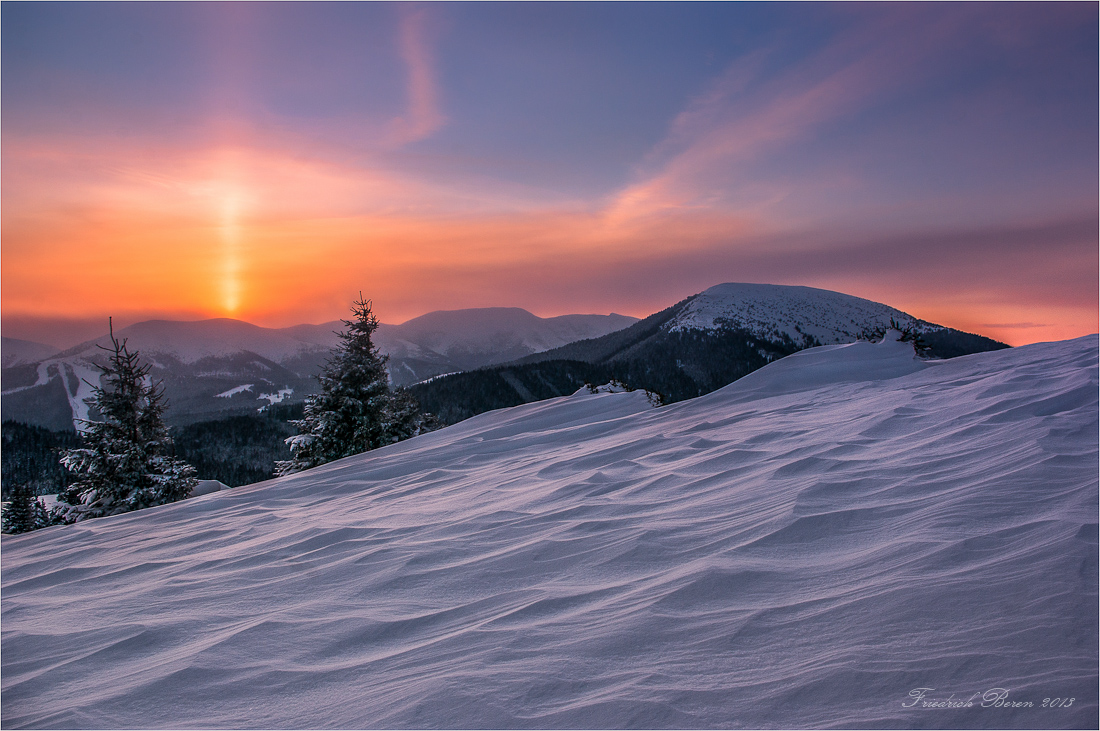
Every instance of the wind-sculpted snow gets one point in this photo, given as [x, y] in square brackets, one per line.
[846, 538]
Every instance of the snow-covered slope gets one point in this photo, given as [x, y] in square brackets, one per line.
[769, 310]
[807, 547]
[196, 362]
[14, 351]
[711, 339]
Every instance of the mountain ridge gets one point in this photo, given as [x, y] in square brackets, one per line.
[21, 352]
[222, 366]
[691, 348]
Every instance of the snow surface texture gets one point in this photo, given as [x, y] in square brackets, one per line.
[803, 548]
[768, 310]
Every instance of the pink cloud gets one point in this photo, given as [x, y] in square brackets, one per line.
[423, 117]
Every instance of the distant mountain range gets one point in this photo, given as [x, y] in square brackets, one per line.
[15, 352]
[691, 348]
[219, 373]
[461, 340]
[214, 368]
[463, 362]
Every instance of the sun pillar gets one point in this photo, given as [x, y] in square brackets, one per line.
[229, 230]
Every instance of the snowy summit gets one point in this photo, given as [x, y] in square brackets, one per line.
[770, 310]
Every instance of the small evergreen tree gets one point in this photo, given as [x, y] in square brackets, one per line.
[907, 334]
[25, 512]
[356, 410]
[126, 461]
[911, 335]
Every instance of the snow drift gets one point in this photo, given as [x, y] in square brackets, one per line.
[810, 546]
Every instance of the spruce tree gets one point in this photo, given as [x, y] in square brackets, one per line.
[25, 512]
[911, 335]
[126, 461]
[356, 410]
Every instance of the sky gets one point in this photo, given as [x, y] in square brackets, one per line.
[269, 162]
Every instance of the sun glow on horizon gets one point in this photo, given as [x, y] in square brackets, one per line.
[291, 156]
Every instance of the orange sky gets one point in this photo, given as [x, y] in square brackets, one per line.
[276, 238]
[799, 176]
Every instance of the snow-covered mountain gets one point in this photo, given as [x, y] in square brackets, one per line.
[693, 347]
[191, 342]
[786, 317]
[774, 311]
[459, 340]
[848, 537]
[213, 367]
[14, 351]
[454, 340]
[200, 364]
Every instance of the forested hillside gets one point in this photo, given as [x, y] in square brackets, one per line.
[238, 450]
[30, 456]
[459, 396]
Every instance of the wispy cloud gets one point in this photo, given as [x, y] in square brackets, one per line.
[714, 150]
[422, 117]
[1014, 325]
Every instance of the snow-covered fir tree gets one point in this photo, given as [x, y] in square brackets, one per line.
[125, 461]
[356, 410]
[24, 512]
